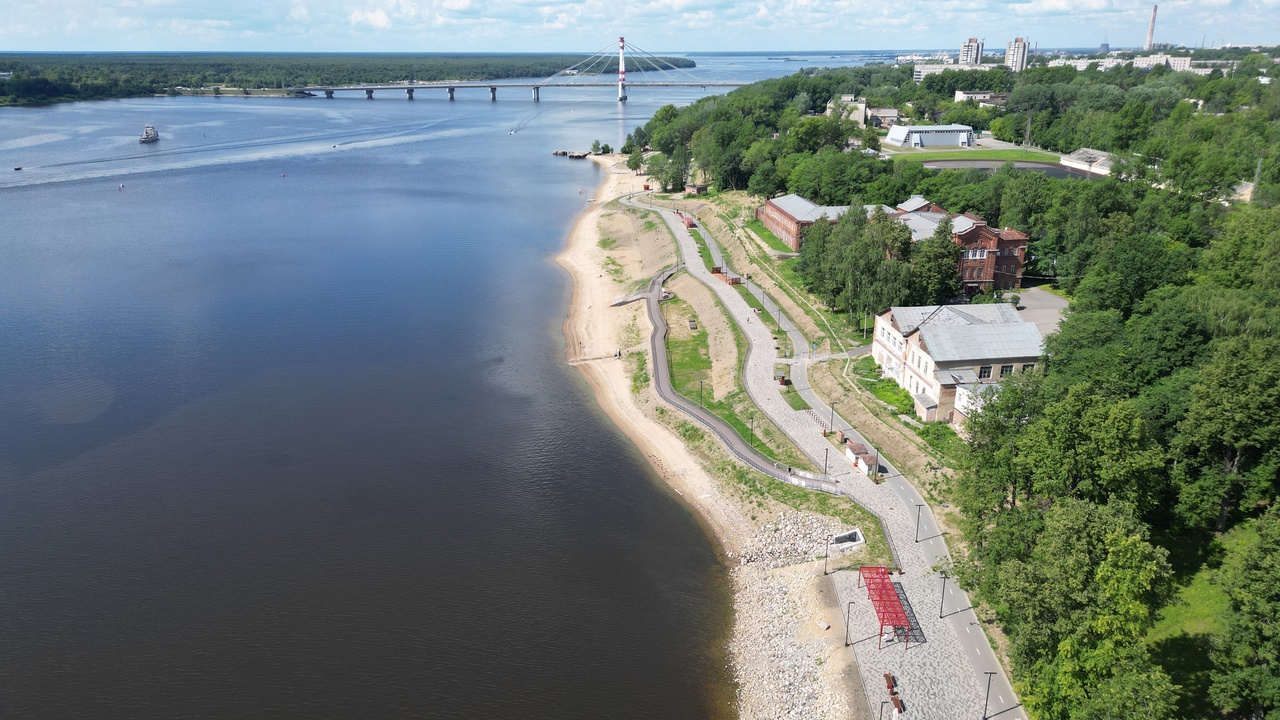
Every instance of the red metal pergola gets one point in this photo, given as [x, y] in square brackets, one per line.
[884, 598]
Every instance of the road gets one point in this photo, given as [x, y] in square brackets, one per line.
[949, 670]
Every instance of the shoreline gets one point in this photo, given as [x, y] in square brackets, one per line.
[785, 652]
[589, 345]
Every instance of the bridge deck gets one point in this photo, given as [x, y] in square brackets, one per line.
[497, 84]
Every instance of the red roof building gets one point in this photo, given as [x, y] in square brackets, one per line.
[992, 258]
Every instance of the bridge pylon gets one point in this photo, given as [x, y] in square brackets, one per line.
[622, 69]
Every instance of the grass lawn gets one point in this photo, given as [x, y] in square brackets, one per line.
[703, 250]
[982, 154]
[1181, 639]
[942, 438]
[868, 374]
[770, 239]
[762, 315]
[792, 396]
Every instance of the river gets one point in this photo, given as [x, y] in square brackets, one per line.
[286, 428]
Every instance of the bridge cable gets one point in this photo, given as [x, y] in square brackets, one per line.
[585, 72]
[655, 59]
[594, 58]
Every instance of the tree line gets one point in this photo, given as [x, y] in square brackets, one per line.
[1094, 485]
[57, 77]
[1190, 133]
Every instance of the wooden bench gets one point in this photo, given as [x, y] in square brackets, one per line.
[897, 704]
[888, 682]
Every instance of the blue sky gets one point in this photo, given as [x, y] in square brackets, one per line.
[587, 25]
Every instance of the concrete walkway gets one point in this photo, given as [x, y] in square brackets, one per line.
[946, 675]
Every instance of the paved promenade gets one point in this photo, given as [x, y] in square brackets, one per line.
[943, 677]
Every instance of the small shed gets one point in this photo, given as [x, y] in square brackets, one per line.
[861, 459]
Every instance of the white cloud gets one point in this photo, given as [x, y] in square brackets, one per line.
[376, 18]
[585, 25]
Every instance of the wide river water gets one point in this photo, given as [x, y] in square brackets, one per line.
[286, 429]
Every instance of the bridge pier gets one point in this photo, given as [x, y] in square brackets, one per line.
[409, 92]
[450, 93]
[328, 94]
[493, 94]
[368, 94]
[535, 93]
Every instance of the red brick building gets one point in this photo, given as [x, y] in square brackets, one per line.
[992, 258]
[788, 215]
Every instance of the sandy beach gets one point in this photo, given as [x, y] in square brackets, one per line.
[787, 641]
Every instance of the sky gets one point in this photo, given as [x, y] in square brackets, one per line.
[589, 25]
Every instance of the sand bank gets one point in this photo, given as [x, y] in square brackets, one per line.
[786, 663]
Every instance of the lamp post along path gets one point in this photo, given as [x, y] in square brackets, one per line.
[848, 620]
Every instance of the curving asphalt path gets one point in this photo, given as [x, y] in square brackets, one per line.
[726, 433]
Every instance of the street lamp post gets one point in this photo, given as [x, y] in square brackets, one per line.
[700, 392]
[826, 555]
[919, 509]
[848, 619]
[990, 674]
[882, 704]
[825, 468]
[833, 417]
[944, 595]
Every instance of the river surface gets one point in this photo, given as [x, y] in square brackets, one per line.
[286, 429]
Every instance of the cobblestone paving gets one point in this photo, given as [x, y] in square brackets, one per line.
[945, 677]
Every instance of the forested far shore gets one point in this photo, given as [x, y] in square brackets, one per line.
[62, 77]
[1118, 502]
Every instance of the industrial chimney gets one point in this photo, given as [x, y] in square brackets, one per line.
[1151, 31]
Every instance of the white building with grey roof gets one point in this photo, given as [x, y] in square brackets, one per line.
[933, 350]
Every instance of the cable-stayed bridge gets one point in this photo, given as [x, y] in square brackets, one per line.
[584, 74]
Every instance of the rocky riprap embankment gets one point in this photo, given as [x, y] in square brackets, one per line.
[778, 647]
[791, 537]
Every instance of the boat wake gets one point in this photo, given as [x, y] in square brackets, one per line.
[180, 158]
[523, 123]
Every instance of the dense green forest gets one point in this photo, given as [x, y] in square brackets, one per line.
[1097, 489]
[54, 77]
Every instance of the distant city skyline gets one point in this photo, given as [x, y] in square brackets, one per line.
[655, 25]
